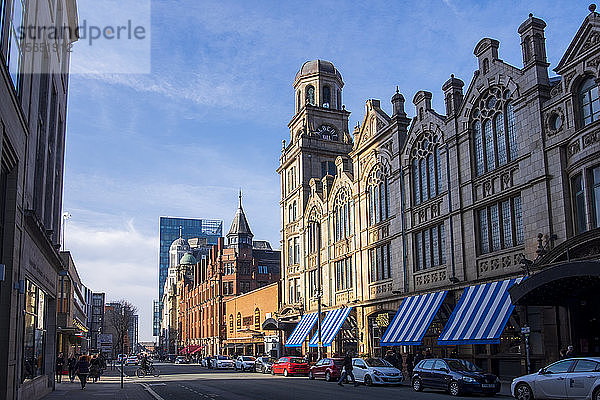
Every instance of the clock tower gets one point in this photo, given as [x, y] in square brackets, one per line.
[318, 135]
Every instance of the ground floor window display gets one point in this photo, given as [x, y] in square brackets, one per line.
[34, 341]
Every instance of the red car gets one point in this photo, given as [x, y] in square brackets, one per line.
[290, 366]
[328, 368]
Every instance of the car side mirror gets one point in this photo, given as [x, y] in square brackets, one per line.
[542, 371]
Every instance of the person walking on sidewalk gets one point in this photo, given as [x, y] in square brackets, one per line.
[71, 366]
[82, 368]
[347, 370]
[60, 363]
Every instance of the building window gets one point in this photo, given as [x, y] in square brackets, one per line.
[294, 251]
[427, 167]
[230, 323]
[326, 96]
[578, 203]
[310, 95]
[595, 185]
[16, 42]
[294, 290]
[343, 274]
[500, 226]
[313, 282]
[34, 340]
[430, 246]
[291, 179]
[328, 168]
[299, 101]
[380, 260]
[342, 215]
[294, 210]
[314, 233]
[238, 321]
[378, 196]
[257, 319]
[263, 269]
[339, 99]
[589, 102]
[494, 130]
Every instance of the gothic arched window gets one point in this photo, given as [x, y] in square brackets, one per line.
[589, 103]
[310, 95]
[342, 212]
[494, 130]
[326, 96]
[427, 167]
[339, 99]
[299, 100]
[378, 195]
[238, 321]
[313, 232]
[230, 323]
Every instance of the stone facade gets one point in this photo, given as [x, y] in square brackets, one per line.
[446, 199]
[33, 110]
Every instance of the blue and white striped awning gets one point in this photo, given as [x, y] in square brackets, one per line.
[301, 331]
[480, 315]
[330, 325]
[412, 319]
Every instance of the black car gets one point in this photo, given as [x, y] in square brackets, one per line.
[263, 364]
[454, 375]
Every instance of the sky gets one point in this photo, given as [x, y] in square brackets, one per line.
[206, 113]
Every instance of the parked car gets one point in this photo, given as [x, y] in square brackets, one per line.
[204, 361]
[290, 366]
[245, 363]
[328, 368]
[455, 376]
[376, 371]
[222, 362]
[573, 378]
[132, 360]
[263, 364]
[181, 360]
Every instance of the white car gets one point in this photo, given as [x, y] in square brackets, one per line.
[573, 378]
[224, 362]
[376, 371]
[245, 363]
[132, 360]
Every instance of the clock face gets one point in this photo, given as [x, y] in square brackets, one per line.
[327, 132]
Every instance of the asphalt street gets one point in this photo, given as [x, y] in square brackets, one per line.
[196, 382]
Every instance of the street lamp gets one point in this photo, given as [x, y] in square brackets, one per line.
[65, 216]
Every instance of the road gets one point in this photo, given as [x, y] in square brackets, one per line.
[193, 382]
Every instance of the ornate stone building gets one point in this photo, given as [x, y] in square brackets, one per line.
[424, 228]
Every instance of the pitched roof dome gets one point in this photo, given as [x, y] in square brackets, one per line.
[188, 259]
[318, 66]
[180, 244]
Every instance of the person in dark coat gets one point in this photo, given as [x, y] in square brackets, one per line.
[82, 368]
[410, 363]
[71, 365]
[390, 357]
[347, 370]
[60, 363]
[570, 352]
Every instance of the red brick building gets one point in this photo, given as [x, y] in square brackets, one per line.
[234, 266]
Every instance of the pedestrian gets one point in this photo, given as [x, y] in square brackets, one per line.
[347, 372]
[82, 368]
[399, 361]
[570, 352]
[428, 353]
[60, 363]
[410, 365]
[71, 364]
[95, 369]
[420, 356]
[390, 357]
[562, 354]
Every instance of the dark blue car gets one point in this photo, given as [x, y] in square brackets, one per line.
[455, 376]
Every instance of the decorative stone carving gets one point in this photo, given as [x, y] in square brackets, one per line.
[340, 248]
[556, 90]
[568, 78]
[591, 41]
[377, 290]
[506, 180]
[573, 148]
[430, 278]
[591, 138]
[593, 63]
[497, 264]
[342, 298]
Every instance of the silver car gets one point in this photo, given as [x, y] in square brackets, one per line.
[573, 378]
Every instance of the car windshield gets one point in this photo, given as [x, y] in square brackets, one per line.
[247, 358]
[463, 365]
[296, 361]
[377, 362]
[338, 362]
[224, 358]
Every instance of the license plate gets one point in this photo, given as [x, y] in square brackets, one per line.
[488, 385]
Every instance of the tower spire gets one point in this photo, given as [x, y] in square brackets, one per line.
[180, 230]
[240, 198]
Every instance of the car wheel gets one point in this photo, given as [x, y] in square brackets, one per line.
[596, 395]
[272, 372]
[523, 392]
[368, 380]
[417, 385]
[286, 373]
[453, 388]
[328, 376]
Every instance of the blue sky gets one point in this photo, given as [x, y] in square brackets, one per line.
[210, 118]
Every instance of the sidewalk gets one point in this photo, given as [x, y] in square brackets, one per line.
[108, 388]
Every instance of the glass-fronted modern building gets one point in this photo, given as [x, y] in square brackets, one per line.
[208, 229]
